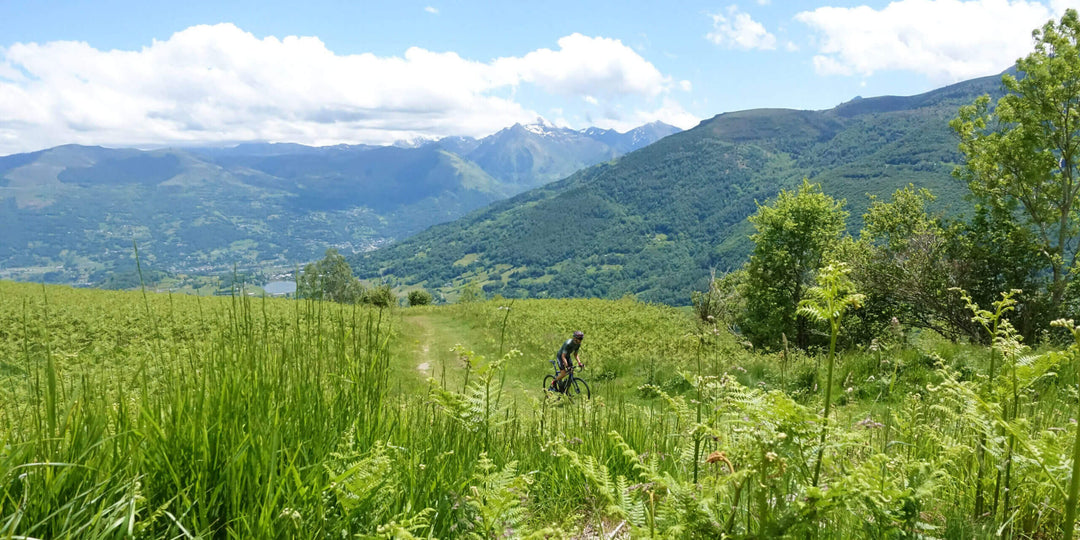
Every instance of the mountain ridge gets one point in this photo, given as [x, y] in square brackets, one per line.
[655, 222]
[74, 210]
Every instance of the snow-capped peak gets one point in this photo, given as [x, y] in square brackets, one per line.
[542, 127]
[414, 142]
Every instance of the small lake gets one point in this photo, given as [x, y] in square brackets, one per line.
[275, 288]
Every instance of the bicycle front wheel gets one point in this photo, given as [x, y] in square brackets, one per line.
[548, 380]
[581, 388]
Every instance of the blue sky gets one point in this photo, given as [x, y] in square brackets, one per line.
[149, 74]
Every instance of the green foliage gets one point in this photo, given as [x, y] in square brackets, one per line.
[1023, 156]
[793, 237]
[419, 297]
[496, 499]
[826, 302]
[905, 263]
[1068, 524]
[471, 293]
[992, 253]
[380, 296]
[130, 279]
[330, 279]
[723, 303]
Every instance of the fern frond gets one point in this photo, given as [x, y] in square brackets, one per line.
[405, 528]
[497, 497]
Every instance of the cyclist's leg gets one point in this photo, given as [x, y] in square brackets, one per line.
[562, 368]
[563, 371]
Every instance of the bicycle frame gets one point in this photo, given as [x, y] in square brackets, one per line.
[571, 382]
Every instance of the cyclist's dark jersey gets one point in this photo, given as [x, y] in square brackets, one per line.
[570, 348]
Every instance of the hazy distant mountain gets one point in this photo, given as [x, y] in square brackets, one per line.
[656, 221]
[535, 154]
[70, 213]
[638, 137]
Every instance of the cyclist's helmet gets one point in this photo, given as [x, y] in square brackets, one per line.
[579, 334]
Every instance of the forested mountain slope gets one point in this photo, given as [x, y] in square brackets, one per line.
[656, 221]
[71, 213]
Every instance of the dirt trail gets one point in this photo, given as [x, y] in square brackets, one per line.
[427, 340]
[424, 351]
[425, 334]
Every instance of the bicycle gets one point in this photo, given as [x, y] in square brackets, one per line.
[571, 386]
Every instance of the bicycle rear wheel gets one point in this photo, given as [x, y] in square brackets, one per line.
[580, 387]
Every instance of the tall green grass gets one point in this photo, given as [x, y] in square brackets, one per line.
[178, 417]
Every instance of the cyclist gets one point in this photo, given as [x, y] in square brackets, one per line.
[562, 358]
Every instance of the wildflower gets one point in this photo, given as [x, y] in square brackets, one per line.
[781, 435]
[290, 514]
[422, 466]
[868, 423]
[771, 456]
[576, 441]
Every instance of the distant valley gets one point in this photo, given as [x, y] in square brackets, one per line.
[70, 214]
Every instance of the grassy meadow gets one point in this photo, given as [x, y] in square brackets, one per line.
[170, 416]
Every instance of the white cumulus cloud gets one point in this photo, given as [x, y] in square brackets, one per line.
[221, 84]
[737, 30]
[946, 40]
[586, 66]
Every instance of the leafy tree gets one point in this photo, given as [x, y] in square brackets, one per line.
[382, 296]
[330, 279]
[993, 253]
[906, 262]
[793, 237]
[1023, 156]
[472, 292]
[419, 297]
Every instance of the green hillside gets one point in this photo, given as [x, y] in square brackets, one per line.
[656, 221]
[70, 213]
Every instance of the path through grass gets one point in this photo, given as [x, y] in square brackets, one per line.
[431, 343]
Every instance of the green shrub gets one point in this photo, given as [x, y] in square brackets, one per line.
[419, 297]
[382, 296]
